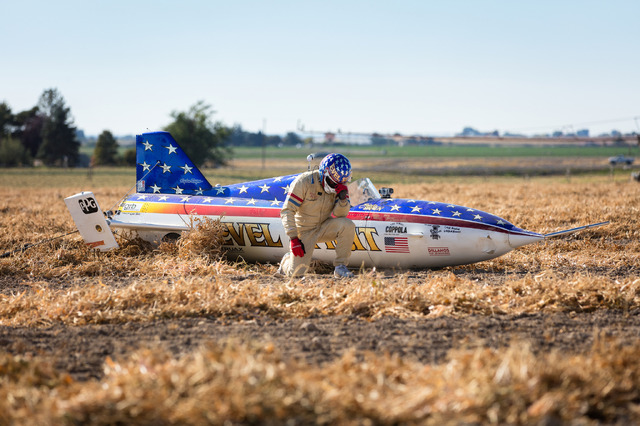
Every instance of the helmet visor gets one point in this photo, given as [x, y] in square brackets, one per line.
[330, 182]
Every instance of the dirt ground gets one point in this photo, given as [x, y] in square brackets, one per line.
[82, 350]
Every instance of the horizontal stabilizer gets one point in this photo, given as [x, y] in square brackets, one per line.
[572, 230]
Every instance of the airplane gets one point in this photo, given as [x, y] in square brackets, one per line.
[172, 194]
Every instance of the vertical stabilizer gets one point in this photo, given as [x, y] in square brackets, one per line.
[164, 168]
[90, 221]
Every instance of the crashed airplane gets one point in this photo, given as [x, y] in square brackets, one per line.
[172, 193]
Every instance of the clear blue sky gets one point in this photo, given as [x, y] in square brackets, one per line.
[408, 66]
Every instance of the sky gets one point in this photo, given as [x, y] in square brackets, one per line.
[408, 66]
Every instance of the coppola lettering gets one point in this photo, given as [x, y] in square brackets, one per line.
[395, 228]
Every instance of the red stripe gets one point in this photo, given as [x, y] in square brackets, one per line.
[300, 200]
[431, 220]
[229, 210]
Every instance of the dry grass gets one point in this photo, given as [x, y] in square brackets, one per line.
[240, 384]
[64, 282]
[61, 282]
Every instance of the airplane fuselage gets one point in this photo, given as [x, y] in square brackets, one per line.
[389, 232]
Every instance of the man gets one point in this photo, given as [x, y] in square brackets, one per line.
[315, 211]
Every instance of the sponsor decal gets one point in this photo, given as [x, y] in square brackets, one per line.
[130, 207]
[363, 235]
[435, 232]
[241, 234]
[88, 205]
[140, 186]
[395, 228]
[438, 251]
[369, 206]
[396, 244]
[233, 249]
[191, 180]
[95, 244]
[452, 230]
[258, 235]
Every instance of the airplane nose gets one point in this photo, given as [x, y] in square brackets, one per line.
[522, 238]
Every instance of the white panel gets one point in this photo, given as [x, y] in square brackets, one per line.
[90, 221]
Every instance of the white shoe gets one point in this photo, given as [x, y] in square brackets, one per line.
[341, 271]
[280, 272]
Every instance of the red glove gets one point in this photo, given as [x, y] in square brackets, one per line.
[297, 248]
[342, 191]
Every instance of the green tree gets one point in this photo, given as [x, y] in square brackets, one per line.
[129, 157]
[6, 120]
[204, 141]
[59, 144]
[106, 151]
[13, 153]
[291, 139]
[29, 129]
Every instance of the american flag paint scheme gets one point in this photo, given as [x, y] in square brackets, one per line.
[172, 193]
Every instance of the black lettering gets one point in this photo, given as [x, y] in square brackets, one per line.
[88, 205]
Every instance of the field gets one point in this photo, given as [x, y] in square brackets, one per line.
[546, 334]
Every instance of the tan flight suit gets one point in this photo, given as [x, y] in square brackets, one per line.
[307, 214]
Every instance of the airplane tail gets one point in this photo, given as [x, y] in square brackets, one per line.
[164, 168]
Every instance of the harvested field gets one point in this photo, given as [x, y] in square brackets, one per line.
[175, 335]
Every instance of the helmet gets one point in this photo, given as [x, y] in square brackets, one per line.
[337, 167]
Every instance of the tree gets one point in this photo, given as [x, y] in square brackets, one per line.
[291, 139]
[203, 140]
[13, 153]
[129, 157]
[59, 144]
[29, 129]
[6, 120]
[106, 151]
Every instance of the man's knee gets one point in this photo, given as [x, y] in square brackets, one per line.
[346, 224]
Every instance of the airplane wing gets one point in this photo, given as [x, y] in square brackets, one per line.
[572, 230]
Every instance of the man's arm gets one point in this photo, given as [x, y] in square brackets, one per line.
[342, 203]
[292, 203]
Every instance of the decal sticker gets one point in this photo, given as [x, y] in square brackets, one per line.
[88, 205]
[396, 244]
[130, 207]
[435, 232]
[358, 244]
[192, 180]
[452, 230]
[258, 235]
[395, 228]
[369, 206]
[233, 249]
[439, 251]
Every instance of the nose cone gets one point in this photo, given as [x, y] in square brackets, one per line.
[520, 237]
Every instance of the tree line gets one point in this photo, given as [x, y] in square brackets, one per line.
[47, 135]
[44, 133]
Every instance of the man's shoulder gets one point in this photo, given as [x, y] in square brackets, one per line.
[307, 178]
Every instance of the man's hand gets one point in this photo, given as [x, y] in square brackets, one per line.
[297, 248]
[342, 191]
